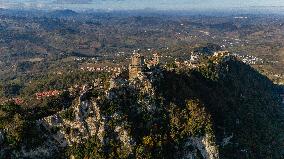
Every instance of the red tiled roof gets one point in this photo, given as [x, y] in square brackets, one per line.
[47, 94]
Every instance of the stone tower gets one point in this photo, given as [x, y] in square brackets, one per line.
[136, 65]
[156, 59]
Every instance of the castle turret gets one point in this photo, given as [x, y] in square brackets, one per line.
[136, 66]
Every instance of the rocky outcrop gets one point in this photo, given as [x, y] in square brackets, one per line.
[87, 122]
[126, 139]
[207, 148]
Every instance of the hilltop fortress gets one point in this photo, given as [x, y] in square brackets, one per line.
[138, 64]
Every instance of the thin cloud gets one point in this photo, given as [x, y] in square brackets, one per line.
[73, 1]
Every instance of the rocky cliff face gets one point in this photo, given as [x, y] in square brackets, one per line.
[87, 121]
[61, 131]
[207, 148]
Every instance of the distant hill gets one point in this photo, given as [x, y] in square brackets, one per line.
[207, 49]
[63, 13]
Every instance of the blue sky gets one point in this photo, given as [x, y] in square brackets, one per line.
[138, 4]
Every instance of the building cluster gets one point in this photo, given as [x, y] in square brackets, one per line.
[221, 53]
[81, 59]
[17, 100]
[192, 62]
[50, 93]
[138, 64]
[195, 58]
[249, 59]
[103, 69]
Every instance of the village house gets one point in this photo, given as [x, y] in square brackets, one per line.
[18, 101]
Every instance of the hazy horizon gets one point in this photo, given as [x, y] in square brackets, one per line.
[136, 4]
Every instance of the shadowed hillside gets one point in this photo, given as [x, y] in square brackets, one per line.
[240, 101]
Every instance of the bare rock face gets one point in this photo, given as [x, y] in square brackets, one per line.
[200, 146]
[87, 122]
[125, 139]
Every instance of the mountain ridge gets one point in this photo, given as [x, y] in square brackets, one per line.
[221, 109]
